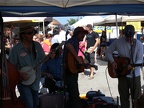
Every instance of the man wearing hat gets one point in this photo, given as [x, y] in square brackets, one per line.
[129, 82]
[25, 55]
[70, 56]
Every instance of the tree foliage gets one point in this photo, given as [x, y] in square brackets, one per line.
[72, 20]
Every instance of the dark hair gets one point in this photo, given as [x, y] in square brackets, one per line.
[79, 30]
[53, 48]
[89, 26]
[129, 31]
[56, 31]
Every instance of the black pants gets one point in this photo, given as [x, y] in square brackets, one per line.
[71, 81]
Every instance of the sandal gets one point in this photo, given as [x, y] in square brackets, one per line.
[91, 77]
[82, 73]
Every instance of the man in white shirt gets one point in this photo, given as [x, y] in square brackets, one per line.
[131, 48]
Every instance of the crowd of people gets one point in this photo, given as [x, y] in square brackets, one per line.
[47, 56]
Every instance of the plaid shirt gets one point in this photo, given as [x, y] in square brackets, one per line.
[54, 67]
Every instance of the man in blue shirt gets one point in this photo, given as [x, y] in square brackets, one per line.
[26, 55]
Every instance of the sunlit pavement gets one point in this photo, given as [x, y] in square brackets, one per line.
[102, 81]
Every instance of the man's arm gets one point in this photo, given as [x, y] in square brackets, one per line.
[95, 45]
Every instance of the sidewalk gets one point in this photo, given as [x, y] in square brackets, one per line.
[102, 81]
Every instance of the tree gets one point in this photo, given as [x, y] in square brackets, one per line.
[72, 20]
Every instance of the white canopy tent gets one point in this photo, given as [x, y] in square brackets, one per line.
[33, 19]
[118, 20]
[66, 3]
[88, 20]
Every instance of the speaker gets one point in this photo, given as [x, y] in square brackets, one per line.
[51, 100]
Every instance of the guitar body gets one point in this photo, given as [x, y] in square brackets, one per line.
[31, 73]
[73, 64]
[122, 63]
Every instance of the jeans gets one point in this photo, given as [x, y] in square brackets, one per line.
[28, 96]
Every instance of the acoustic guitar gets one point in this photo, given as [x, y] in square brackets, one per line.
[74, 67]
[122, 69]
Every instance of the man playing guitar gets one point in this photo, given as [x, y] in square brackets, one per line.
[128, 47]
[71, 75]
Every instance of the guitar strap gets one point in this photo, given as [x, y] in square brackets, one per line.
[132, 51]
[85, 55]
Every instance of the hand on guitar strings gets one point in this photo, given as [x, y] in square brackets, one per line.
[48, 75]
[80, 61]
[130, 67]
[23, 75]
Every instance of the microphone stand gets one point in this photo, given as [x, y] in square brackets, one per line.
[63, 70]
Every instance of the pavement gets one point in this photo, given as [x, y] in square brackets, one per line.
[102, 81]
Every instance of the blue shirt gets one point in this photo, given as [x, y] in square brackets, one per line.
[54, 67]
[21, 57]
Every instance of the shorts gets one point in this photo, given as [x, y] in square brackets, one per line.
[90, 58]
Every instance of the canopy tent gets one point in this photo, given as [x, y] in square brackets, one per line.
[45, 8]
[53, 8]
[40, 22]
[29, 19]
[121, 20]
[17, 19]
[87, 20]
[111, 20]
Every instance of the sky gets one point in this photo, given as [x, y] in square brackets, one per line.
[63, 20]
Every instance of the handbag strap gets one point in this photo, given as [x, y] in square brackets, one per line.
[85, 55]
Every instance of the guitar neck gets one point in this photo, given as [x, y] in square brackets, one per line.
[86, 65]
[48, 56]
[135, 65]
[43, 60]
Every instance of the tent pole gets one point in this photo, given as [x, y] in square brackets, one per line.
[116, 25]
[43, 28]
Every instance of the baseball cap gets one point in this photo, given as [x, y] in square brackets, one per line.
[89, 26]
[129, 31]
[80, 29]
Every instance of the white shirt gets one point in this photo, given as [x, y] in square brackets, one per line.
[123, 49]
